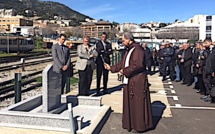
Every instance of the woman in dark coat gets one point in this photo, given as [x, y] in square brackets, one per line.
[137, 112]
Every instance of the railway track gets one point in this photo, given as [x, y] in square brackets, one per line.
[19, 65]
[7, 88]
[15, 66]
[23, 77]
[10, 95]
[27, 57]
[17, 58]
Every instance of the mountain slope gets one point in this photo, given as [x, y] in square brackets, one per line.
[43, 9]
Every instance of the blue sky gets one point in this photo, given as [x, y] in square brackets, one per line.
[141, 11]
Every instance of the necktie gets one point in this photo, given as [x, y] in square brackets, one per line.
[183, 54]
[62, 47]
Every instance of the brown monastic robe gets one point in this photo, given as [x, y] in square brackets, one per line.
[137, 112]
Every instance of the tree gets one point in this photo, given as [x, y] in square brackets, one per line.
[128, 28]
[113, 33]
[77, 32]
[162, 25]
[68, 33]
[176, 20]
[47, 31]
[115, 23]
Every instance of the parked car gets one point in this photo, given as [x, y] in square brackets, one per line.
[93, 41]
[151, 45]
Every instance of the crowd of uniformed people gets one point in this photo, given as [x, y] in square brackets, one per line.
[186, 65]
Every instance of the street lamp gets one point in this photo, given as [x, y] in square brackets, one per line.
[8, 29]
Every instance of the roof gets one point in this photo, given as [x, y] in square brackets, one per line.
[182, 25]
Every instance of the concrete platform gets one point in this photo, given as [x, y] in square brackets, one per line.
[95, 119]
[28, 114]
[114, 99]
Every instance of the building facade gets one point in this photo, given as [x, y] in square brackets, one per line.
[179, 31]
[206, 26]
[8, 23]
[139, 33]
[95, 29]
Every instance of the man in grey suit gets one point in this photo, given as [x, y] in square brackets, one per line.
[85, 66]
[62, 60]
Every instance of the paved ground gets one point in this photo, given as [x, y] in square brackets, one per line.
[177, 109]
[190, 114]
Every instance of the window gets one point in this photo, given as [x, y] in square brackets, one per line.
[208, 28]
[208, 18]
[208, 35]
[3, 41]
[8, 20]
[3, 20]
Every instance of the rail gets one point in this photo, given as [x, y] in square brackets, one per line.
[7, 87]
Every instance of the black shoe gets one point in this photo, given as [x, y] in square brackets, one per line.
[164, 78]
[189, 85]
[97, 93]
[203, 97]
[198, 90]
[207, 99]
[106, 92]
[183, 83]
[177, 80]
[195, 87]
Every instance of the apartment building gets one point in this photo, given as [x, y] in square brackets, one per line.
[95, 28]
[206, 25]
[8, 23]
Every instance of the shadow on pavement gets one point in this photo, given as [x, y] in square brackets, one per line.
[109, 90]
[157, 111]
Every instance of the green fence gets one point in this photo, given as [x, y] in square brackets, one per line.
[116, 58]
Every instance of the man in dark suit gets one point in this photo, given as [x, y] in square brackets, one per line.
[148, 57]
[195, 55]
[186, 61]
[104, 50]
[208, 70]
[62, 59]
[168, 54]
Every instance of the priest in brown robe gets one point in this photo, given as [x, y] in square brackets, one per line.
[137, 111]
